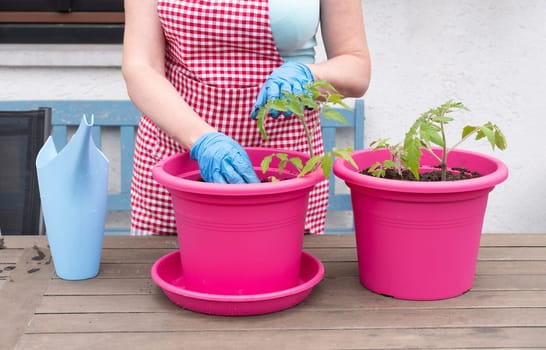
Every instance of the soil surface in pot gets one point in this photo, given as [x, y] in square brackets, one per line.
[264, 180]
[433, 175]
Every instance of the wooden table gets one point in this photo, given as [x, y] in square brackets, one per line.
[122, 308]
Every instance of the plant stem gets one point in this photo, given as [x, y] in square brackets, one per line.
[463, 139]
[443, 164]
[308, 135]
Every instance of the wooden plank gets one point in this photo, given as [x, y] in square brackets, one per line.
[133, 255]
[121, 271]
[10, 256]
[329, 295]
[21, 242]
[450, 338]
[537, 268]
[510, 282]
[143, 270]
[291, 319]
[484, 254]
[21, 293]
[69, 304]
[512, 253]
[103, 286]
[328, 254]
[138, 286]
[6, 270]
[513, 240]
[330, 240]
[487, 240]
[339, 269]
[142, 242]
[110, 242]
[138, 255]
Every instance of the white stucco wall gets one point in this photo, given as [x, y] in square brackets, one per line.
[487, 53]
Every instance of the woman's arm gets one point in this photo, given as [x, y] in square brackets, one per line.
[348, 66]
[144, 73]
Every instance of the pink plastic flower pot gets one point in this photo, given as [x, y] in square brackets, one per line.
[238, 239]
[419, 240]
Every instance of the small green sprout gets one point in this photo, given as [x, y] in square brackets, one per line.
[321, 93]
[429, 131]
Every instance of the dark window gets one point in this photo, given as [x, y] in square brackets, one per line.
[61, 21]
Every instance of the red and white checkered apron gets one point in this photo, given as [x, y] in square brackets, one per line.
[218, 55]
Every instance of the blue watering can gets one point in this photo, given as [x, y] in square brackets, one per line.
[73, 186]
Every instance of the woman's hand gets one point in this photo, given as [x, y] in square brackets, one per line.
[222, 160]
[291, 77]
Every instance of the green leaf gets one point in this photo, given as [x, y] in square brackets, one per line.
[296, 162]
[469, 130]
[389, 164]
[326, 164]
[332, 114]
[437, 139]
[307, 101]
[283, 157]
[324, 84]
[443, 119]
[380, 143]
[377, 170]
[345, 153]
[374, 167]
[261, 123]
[310, 165]
[489, 134]
[278, 104]
[265, 163]
[431, 134]
[295, 106]
[412, 153]
[335, 99]
[500, 139]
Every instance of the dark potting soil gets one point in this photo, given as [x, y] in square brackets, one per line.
[454, 174]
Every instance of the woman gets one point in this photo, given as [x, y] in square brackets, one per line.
[199, 69]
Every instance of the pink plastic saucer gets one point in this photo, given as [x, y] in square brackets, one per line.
[167, 274]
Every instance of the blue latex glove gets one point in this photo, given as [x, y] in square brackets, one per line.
[292, 77]
[222, 160]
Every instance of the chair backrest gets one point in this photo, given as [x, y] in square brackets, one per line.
[22, 134]
[341, 202]
[116, 114]
[124, 115]
[108, 114]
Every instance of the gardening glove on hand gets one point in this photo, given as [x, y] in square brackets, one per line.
[292, 77]
[222, 160]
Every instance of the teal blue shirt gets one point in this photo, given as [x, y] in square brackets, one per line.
[294, 24]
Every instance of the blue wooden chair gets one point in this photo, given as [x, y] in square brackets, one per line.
[124, 115]
[341, 202]
[121, 114]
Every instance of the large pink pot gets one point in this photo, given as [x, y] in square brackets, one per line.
[238, 239]
[419, 240]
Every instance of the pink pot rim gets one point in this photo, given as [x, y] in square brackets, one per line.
[176, 182]
[345, 171]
